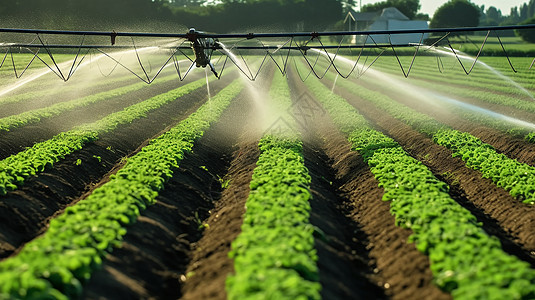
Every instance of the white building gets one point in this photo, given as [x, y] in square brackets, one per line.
[390, 19]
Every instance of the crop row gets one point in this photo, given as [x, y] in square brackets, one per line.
[15, 168]
[464, 259]
[515, 177]
[488, 84]
[57, 263]
[44, 92]
[512, 128]
[451, 69]
[484, 96]
[274, 255]
[37, 115]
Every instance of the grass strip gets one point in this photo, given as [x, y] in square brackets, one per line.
[17, 167]
[274, 255]
[55, 265]
[465, 261]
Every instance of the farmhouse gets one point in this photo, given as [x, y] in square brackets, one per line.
[389, 19]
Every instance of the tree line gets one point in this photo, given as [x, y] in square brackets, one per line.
[150, 15]
[234, 15]
[492, 16]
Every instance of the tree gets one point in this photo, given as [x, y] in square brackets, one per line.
[527, 35]
[491, 17]
[531, 8]
[347, 5]
[408, 7]
[456, 13]
[524, 12]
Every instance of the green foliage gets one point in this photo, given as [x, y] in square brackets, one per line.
[408, 7]
[55, 265]
[456, 13]
[16, 168]
[150, 15]
[274, 256]
[36, 115]
[529, 34]
[515, 177]
[465, 261]
[85, 15]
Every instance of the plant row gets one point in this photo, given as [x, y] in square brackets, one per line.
[17, 167]
[480, 73]
[511, 127]
[496, 84]
[46, 92]
[484, 96]
[515, 177]
[465, 261]
[37, 115]
[274, 255]
[56, 264]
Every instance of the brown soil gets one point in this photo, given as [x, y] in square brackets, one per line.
[178, 248]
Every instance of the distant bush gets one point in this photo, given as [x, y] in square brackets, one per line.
[527, 35]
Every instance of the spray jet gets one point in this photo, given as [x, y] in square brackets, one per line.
[202, 49]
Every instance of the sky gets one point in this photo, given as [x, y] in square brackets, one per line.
[429, 6]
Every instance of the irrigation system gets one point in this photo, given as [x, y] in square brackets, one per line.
[217, 51]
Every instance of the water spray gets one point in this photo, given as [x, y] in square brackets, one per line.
[204, 44]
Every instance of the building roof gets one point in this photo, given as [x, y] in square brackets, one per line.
[365, 16]
[389, 13]
[392, 13]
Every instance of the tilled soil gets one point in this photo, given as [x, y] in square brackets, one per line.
[178, 248]
[393, 267]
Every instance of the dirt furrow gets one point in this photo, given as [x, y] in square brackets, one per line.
[361, 230]
[197, 219]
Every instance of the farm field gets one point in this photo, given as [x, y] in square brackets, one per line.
[376, 187]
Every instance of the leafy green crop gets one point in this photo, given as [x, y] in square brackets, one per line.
[274, 256]
[46, 91]
[15, 168]
[37, 115]
[515, 177]
[464, 259]
[57, 263]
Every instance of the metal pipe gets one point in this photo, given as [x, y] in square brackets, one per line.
[14, 45]
[266, 35]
